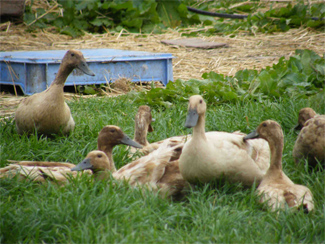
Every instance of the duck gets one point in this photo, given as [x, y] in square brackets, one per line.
[143, 120]
[276, 189]
[304, 115]
[142, 125]
[310, 143]
[208, 156]
[155, 171]
[41, 171]
[109, 137]
[47, 112]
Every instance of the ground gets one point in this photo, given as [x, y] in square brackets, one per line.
[243, 50]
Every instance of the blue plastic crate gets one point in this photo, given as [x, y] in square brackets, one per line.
[34, 71]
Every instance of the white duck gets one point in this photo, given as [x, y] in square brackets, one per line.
[213, 155]
[276, 189]
[310, 143]
[47, 112]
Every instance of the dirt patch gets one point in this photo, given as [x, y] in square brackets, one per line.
[243, 51]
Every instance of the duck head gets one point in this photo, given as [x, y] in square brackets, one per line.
[75, 59]
[304, 115]
[111, 136]
[95, 161]
[269, 130]
[196, 108]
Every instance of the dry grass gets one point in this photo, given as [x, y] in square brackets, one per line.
[243, 51]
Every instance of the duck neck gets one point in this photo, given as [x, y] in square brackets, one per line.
[108, 150]
[62, 75]
[276, 149]
[101, 174]
[140, 136]
[199, 129]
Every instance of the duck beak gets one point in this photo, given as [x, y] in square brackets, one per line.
[192, 118]
[127, 141]
[150, 129]
[251, 135]
[85, 164]
[83, 66]
[298, 127]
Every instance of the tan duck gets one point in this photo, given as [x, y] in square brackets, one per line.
[143, 125]
[304, 115]
[155, 171]
[310, 143]
[47, 112]
[276, 189]
[109, 137]
[214, 155]
[41, 171]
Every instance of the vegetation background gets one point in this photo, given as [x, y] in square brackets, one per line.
[85, 211]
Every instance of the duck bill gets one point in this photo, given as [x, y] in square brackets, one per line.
[85, 164]
[298, 127]
[192, 118]
[83, 66]
[150, 129]
[251, 135]
[127, 141]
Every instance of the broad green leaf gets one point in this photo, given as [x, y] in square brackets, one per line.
[168, 12]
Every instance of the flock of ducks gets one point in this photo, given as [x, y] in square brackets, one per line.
[171, 166]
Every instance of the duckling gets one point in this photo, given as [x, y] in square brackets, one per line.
[154, 171]
[310, 143]
[214, 155]
[276, 189]
[39, 171]
[47, 112]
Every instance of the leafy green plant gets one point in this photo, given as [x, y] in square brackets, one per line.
[272, 20]
[99, 16]
[300, 76]
[153, 15]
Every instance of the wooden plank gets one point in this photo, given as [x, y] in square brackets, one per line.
[195, 43]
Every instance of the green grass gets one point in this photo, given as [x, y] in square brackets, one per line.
[101, 212]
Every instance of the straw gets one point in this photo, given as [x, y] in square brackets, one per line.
[244, 51]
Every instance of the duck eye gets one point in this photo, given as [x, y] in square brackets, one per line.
[264, 124]
[72, 54]
[201, 101]
[112, 130]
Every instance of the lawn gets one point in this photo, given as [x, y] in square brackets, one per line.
[85, 211]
